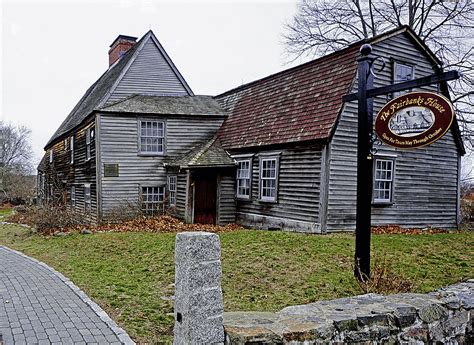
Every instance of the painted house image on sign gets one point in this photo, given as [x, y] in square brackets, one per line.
[276, 153]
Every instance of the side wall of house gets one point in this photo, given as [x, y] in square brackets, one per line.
[119, 139]
[61, 174]
[425, 179]
[298, 196]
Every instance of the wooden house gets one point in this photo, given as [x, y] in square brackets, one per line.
[276, 153]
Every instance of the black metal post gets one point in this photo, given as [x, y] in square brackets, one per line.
[364, 166]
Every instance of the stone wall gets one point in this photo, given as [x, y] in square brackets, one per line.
[443, 316]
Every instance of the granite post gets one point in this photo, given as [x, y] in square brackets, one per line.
[198, 306]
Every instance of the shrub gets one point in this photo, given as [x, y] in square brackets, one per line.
[48, 218]
[383, 279]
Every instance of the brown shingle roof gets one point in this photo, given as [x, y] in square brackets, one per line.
[299, 104]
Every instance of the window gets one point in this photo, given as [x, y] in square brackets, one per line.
[402, 72]
[89, 136]
[172, 182]
[71, 148]
[243, 179]
[73, 196]
[268, 179]
[51, 156]
[383, 180]
[152, 134]
[87, 196]
[65, 145]
[152, 198]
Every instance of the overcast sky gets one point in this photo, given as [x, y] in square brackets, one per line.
[52, 51]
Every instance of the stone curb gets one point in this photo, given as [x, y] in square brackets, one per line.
[119, 332]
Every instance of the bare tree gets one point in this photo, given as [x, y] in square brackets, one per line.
[15, 162]
[447, 27]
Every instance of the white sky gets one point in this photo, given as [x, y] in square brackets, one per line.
[52, 51]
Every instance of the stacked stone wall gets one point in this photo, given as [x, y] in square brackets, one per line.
[443, 316]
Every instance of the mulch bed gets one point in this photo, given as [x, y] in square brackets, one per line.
[395, 229]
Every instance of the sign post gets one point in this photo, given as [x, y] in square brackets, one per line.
[364, 165]
[400, 130]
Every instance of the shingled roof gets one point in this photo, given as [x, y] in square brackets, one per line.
[99, 93]
[298, 104]
[176, 105]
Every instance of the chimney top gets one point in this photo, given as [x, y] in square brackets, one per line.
[125, 38]
[120, 46]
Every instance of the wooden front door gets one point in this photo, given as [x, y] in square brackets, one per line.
[205, 191]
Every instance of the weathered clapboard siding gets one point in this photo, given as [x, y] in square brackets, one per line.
[226, 197]
[119, 145]
[425, 184]
[297, 206]
[62, 174]
[148, 74]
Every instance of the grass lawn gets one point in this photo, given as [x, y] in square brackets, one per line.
[5, 212]
[128, 273]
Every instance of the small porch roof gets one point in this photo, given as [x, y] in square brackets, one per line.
[210, 154]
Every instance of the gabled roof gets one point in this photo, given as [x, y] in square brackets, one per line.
[174, 105]
[208, 154]
[298, 104]
[101, 91]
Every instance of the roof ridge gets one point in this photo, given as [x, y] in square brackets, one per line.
[203, 150]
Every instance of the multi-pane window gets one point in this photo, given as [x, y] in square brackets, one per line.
[73, 196]
[152, 199]
[383, 180]
[71, 149]
[243, 179]
[402, 72]
[172, 184]
[152, 135]
[87, 196]
[268, 179]
[89, 135]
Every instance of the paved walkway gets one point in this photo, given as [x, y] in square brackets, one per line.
[40, 306]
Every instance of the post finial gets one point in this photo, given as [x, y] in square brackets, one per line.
[366, 49]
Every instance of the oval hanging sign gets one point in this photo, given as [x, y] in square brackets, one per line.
[414, 119]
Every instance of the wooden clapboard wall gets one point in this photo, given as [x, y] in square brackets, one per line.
[119, 144]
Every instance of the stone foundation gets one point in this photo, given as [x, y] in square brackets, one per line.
[443, 316]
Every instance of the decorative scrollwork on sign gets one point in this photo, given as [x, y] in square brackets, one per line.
[374, 141]
[372, 65]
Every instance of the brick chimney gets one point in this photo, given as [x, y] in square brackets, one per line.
[120, 46]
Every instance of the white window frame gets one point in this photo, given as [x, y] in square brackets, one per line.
[65, 145]
[88, 144]
[71, 149]
[151, 201]
[51, 155]
[386, 176]
[87, 197]
[172, 189]
[240, 179]
[73, 196]
[150, 137]
[265, 198]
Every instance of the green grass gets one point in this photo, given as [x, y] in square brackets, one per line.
[128, 273]
[4, 212]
